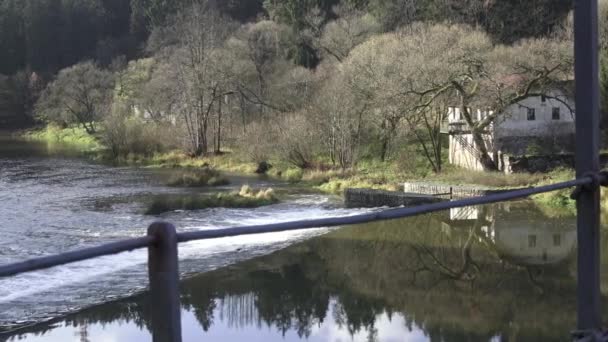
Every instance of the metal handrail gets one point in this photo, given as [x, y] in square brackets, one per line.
[388, 214]
[162, 242]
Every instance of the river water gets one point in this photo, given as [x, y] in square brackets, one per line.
[494, 273]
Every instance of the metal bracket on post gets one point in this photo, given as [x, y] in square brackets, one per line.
[164, 283]
[597, 180]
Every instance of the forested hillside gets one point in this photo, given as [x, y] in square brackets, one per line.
[47, 35]
[313, 83]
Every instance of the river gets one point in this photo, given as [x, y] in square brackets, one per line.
[494, 273]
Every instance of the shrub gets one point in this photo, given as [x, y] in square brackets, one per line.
[296, 141]
[258, 142]
[293, 175]
[124, 134]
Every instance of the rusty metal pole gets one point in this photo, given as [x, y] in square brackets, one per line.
[587, 162]
[164, 283]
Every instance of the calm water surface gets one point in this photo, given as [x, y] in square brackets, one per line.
[496, 273]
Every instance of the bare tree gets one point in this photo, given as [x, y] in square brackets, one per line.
[262, 48]
[351, 28]
[341, 118]
[506, 76]
[199, 32]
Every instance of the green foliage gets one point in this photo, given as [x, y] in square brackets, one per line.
[557, 199]
[505, 21]
[80, 95]
[47, 35]
[147, 14]
[74, 137]
[293, 12]
[246, 198]
[293, 175]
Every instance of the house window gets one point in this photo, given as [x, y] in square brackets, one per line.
[531, 241]
[557, 240]
[543, 98]
[555, 113]
[531, 114]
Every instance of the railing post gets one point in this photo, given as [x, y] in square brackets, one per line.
[587, 161]
[164, 283]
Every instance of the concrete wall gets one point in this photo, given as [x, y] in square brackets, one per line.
[428, 188]
[368, 198]
[467, 157]
[459, 156]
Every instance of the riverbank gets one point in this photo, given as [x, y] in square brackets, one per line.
[367, 174]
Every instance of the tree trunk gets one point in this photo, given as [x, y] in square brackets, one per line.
[480, 145]
[484, 156]
[202, 145]
[218, 146]
[384, 142]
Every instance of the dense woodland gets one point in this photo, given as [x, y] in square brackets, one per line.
[309, 82]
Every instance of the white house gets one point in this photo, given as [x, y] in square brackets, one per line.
[529, 239]
[537, 123]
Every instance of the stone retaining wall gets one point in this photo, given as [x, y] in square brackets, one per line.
[368, 198]
[447, 191]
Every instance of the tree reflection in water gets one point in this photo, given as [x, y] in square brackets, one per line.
[459, 277]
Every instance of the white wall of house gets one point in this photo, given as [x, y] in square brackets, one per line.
[461, 156]
[530, 117]
[535, 116]
[463, 153]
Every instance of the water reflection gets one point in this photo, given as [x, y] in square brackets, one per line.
[520, 236]
[501, 273]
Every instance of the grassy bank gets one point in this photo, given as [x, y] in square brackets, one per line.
[367, 174]
[72, 137]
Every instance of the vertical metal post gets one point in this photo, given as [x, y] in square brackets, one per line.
[164, 283]
[587, 161]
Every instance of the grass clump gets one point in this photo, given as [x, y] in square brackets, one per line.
[245, 198]
[197, 178]
[293, 175]
[225, 162]
[339, 185]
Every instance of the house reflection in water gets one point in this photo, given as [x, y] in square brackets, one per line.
[522, 238]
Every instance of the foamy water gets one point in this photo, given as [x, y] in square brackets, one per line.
[52, 205]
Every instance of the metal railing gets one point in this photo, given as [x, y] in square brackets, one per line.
[162, 242]
[162, 239]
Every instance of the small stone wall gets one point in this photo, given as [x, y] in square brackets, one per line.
[368, 198]
[447, 191]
